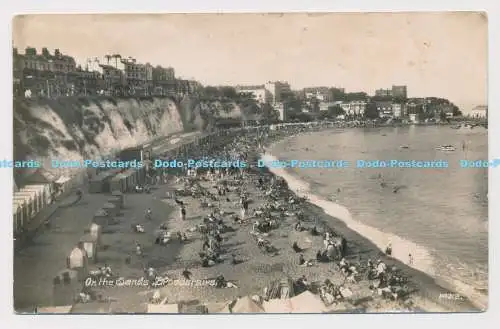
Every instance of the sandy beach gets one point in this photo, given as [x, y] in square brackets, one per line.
[255, 270]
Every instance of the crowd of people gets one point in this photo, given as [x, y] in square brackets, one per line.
[224, 196]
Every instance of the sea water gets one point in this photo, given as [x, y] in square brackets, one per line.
[440, 216]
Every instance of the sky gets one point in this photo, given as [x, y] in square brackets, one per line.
[441, 54]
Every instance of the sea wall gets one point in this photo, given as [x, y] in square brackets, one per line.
[88, 128]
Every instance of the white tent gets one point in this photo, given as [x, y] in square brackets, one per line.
[278, 306]
[96, 232]
[165, 308]
[246, 305]
[307, 302]
[76, 258]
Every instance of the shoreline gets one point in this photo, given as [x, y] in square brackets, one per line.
[340, 215]
[248, 272]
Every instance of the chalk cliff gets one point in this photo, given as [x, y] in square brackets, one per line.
[89, 128]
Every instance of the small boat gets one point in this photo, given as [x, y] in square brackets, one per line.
[446, 148]
[404, 147]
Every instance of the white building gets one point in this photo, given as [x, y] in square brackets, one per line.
[281, 109]
[358, 107]
[354, 107]
[346, 107]
[480, 111]
[276, 89]
[94, 65]
[384, 109]
[323, 106]
[397, 110]
[318, 95]
[259, 93]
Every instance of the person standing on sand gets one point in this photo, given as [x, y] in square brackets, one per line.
[244, 208]
[410, 259]
[183, 212]
[388, 249]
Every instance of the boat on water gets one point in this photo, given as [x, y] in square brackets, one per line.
[446, 148]
[404, 147]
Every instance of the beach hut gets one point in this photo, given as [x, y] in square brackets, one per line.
[115, 201]
[126, 181]
[120, 196]
[130, 179]
[102, 218]
[26, 202]
[20, 214]
[89, 244]
[101, 183]
[141, 175]
[106, 180]
[77, 261]
[32, 200]
[96, 232]
[18, 219]
[118, 183]
[66, 288]
[39, 195]
[111, 209]
[95, 184]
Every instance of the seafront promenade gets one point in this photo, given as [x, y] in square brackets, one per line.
[42, 251]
